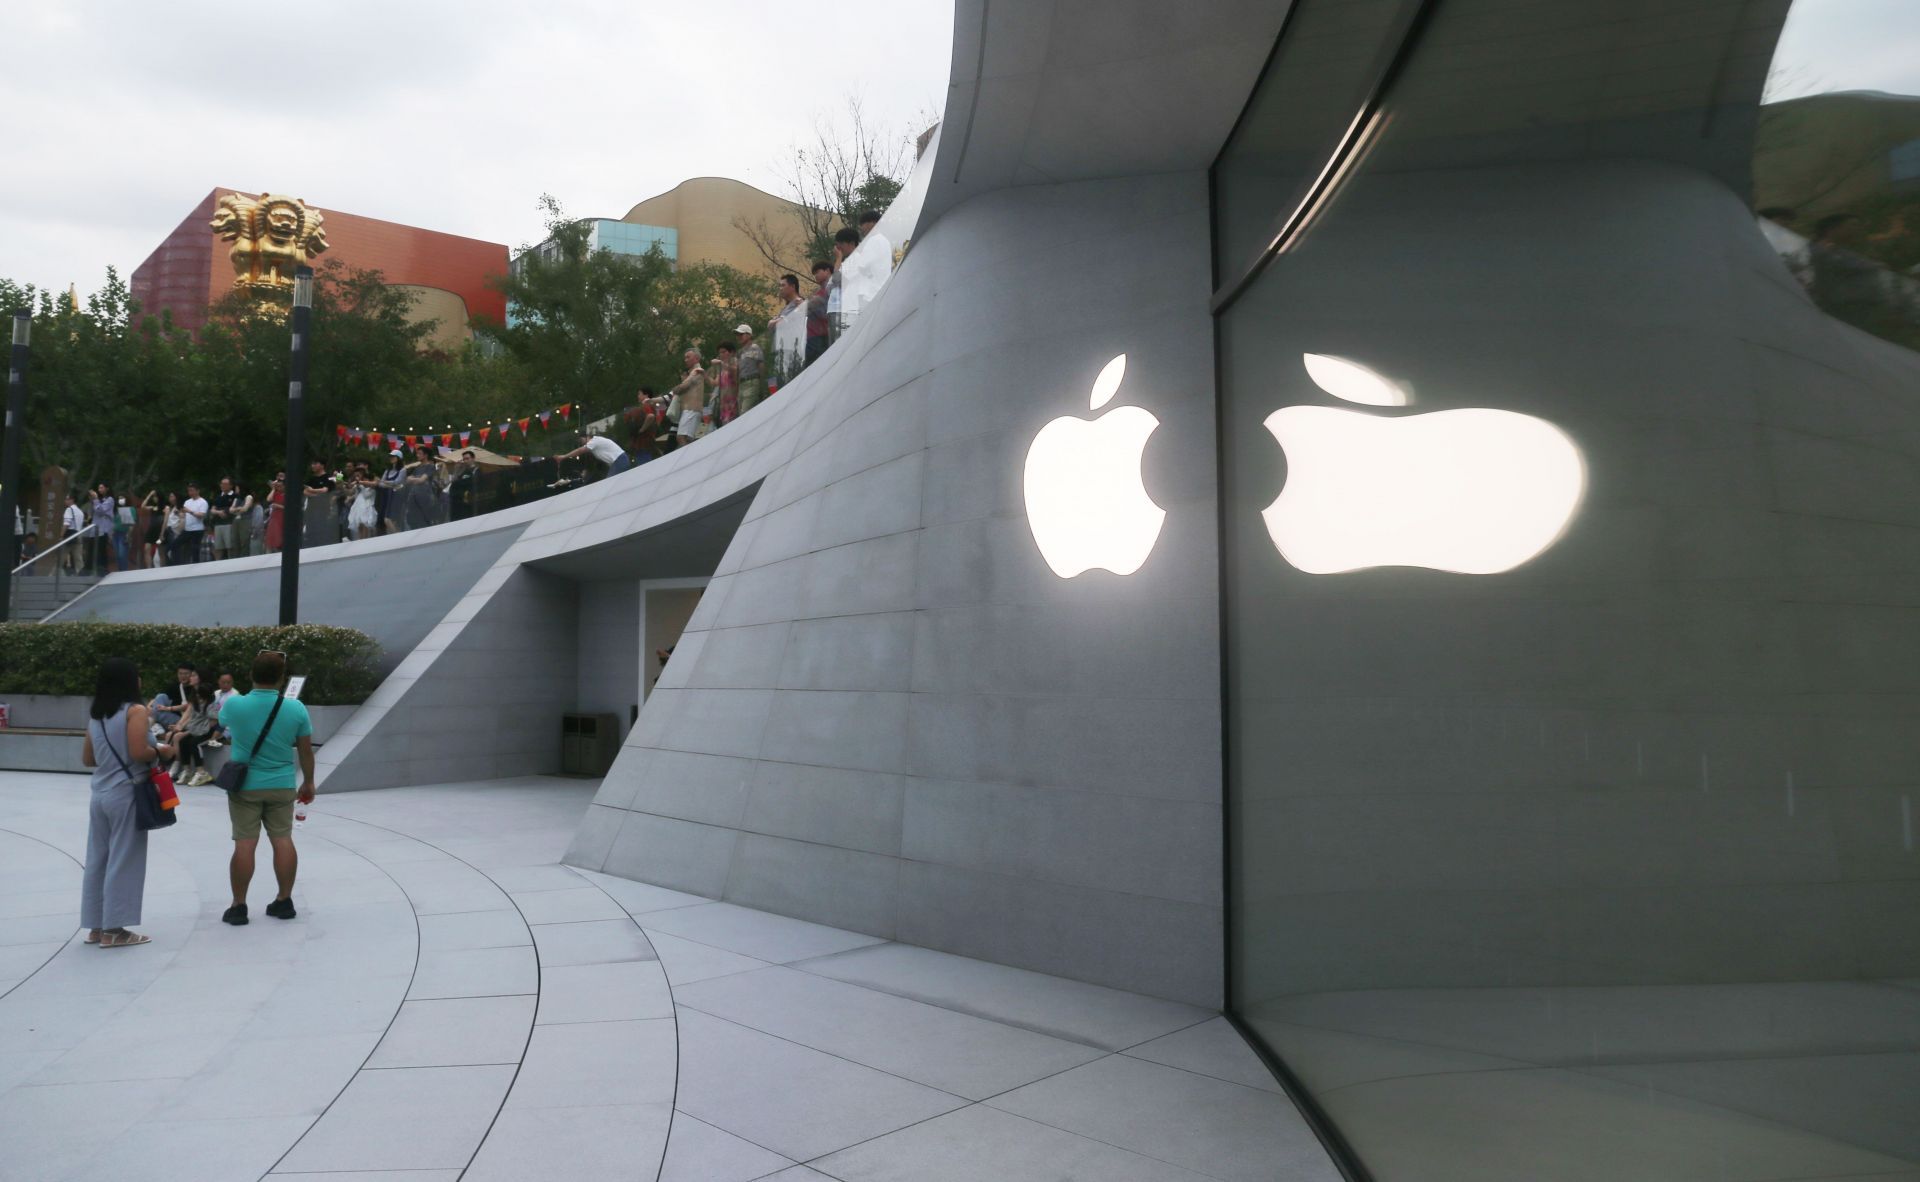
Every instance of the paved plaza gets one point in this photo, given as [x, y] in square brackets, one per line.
[452, 1003]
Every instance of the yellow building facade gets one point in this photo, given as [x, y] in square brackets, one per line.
[715, 220]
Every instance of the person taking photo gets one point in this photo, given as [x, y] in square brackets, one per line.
[268, 731]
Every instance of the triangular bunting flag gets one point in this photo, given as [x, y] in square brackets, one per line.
[484, 432]
[446, 440]
[413, 441]
[566, 408]
[522, 424]
[466, 438]
[374, 438]
[340, 432]
[546, 416]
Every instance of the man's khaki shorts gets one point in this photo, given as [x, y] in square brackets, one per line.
[272, 807]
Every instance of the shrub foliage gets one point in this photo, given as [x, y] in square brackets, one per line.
[339, 663]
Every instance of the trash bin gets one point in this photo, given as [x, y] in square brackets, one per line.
[588, 743]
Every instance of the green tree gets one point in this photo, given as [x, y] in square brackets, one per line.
[93, 373]
[851, 166]
[366, 353]
[591, 326]
[140, 403]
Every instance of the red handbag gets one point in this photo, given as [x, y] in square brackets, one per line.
[150, 807]
[163, 787]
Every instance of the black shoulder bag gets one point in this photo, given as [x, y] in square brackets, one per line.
[147, 813]
[233, 776]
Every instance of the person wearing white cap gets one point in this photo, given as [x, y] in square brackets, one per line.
[753, 368]
[386, 505]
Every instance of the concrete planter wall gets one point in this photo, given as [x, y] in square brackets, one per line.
[61, 753]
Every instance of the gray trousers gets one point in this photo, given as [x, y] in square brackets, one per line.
[116, 874]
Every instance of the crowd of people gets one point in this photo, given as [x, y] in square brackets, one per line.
[843, 283]
[186, 717]
[430, 487]
[741, 374]
[116, 533]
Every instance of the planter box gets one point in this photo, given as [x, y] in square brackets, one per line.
[39, 753]
[46, 710]
[67, 712]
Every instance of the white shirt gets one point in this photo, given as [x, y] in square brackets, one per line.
[867, 270]
[605, 450]
[75, 518]
[196, 508]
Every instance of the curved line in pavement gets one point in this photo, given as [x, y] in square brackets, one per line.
[62, 947]
[539, 980]
[394, 1017]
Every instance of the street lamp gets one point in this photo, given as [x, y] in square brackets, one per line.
[10, 454]
[292, 493]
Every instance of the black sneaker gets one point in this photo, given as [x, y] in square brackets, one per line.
[235, 915]
[281, 909]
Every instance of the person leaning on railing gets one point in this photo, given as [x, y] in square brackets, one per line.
[819, 321]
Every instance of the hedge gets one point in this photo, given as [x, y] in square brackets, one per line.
[339, 663]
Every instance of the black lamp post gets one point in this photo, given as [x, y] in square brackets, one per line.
[293, 492]
[10, 455]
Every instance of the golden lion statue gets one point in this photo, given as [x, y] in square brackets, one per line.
[271, 234]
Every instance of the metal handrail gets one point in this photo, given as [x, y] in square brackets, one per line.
[52, 550]
[13, 585]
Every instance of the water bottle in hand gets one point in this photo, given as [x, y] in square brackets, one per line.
[299, 815]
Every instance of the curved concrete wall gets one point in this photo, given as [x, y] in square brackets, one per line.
[888, 714]
[394, 589]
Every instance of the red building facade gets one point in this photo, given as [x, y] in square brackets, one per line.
[189, 270]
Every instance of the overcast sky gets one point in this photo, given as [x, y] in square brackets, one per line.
[119, 115]
[1848, 45]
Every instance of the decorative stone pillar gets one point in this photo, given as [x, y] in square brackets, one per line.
[54, 483]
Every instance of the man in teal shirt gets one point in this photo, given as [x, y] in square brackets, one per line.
[267, 795]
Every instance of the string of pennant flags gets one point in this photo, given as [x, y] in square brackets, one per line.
[467, 435]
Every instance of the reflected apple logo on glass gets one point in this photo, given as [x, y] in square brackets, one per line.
[1086, 503]
[1475, 491]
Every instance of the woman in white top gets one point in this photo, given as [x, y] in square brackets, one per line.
[72, 520]
[362, 519]
[170, 528]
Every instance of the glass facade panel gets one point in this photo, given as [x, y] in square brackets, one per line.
[1836, 163]
[634, 238]
[1572, 652]
[1331, 54]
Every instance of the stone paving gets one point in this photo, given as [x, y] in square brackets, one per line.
[452, 1003]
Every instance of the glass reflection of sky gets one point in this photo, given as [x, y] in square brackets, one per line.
[1831, 45]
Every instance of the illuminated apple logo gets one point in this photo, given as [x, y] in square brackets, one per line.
[1471, 491]
[1086, 504]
